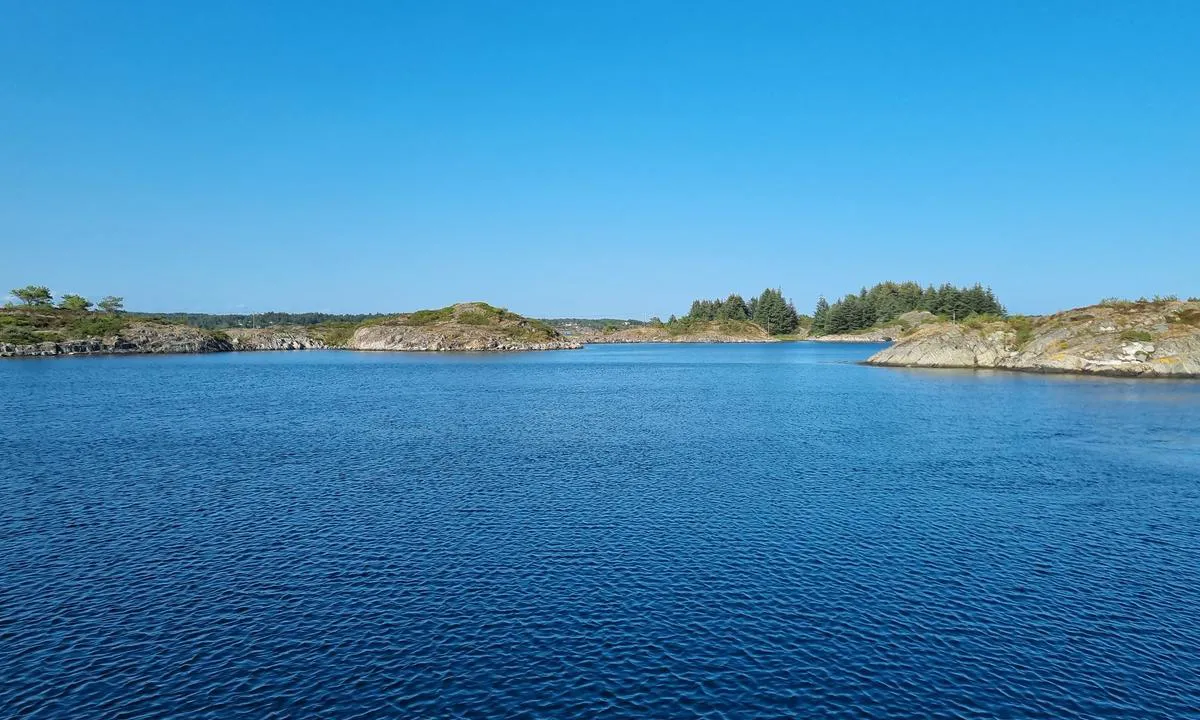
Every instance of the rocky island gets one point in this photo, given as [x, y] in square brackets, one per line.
[470, 326]
[1148, 338]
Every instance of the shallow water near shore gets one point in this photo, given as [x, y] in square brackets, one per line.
[626, 530]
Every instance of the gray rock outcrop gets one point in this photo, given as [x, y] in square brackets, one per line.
[136, 338]
[1151, 339]
[275, 338]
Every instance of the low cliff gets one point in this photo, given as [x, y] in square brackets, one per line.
[47, 332]
[132, 338]
[1142, 339]
[462, 327]
[274, 338]
[712, 331]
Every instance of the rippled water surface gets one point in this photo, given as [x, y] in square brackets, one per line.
[626, 531]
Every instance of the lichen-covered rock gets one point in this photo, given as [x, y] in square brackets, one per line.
[275, 338]
[1145, 339]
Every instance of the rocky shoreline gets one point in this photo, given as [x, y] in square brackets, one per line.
[137, 338]
[1144, 340]
[408, 339]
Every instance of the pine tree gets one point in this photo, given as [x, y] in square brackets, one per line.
[820, 314]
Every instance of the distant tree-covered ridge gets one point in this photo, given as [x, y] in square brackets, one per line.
[888, 300]
[569, 325]
[209, 321]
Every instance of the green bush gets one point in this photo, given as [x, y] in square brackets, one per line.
[1187, 316]
[428, 317]
[475, 317]
[17, 335]
[92, 325]
[1023, 327]
[1137, 335]
[977, 322]
[335, 334]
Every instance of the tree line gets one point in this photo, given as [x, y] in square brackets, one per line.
[770, 310]
[39, 296]
[888, 300]
[869, 307]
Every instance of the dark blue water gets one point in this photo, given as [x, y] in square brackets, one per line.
[622, 531]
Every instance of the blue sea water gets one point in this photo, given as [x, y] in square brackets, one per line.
[717, 531]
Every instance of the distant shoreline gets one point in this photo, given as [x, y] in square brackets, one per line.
[1147, 338]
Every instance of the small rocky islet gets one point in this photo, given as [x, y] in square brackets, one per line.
[463, 327]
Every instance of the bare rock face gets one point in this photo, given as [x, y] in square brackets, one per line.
[135, 338]
[462, 327]
[1144, 339]
[275, 338]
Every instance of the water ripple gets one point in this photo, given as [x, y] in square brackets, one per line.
[627, 532]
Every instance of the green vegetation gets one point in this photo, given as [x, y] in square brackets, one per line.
[692, 326]
[26, 326]
[428, 317]
[473, 313]
[1124, 304]
[475, 317]
[74, 302]
[604, 324]
[38, 320]
[888, 300]
[479, 314]
[978, 322]
[33, 295]
[770, 311]
[206, 321]
[18, 329]
[1186, 316]
[334, 334]
[1136, 335]
[112, 304]
[1022, 325]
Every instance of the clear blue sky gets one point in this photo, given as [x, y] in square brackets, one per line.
[611, 158]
